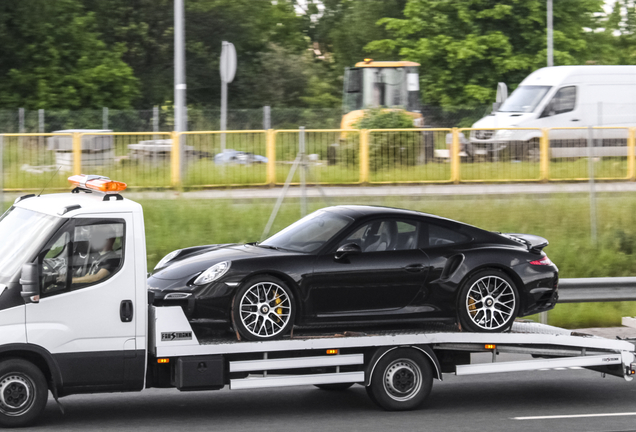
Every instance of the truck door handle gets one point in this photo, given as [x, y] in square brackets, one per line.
[574, 120]
[126, 310]
[414, 268]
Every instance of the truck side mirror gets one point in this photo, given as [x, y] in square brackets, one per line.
[346, 250]
[30, 281]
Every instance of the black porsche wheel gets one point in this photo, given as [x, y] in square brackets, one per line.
[23, 393]
[263, 308]
[488, 302]
[401, 380]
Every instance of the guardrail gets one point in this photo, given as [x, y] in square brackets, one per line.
[605, 289]
[334, 156]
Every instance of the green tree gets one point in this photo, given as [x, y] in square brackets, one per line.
[466, 47]
[51, 57]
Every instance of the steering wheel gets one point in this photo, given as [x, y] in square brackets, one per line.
[52, 269]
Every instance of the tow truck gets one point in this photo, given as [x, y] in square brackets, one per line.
[64, 332]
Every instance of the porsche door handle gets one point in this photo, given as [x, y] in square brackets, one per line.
[414, 268]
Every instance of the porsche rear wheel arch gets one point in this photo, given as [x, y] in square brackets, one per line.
[264, 308]
[468, 305]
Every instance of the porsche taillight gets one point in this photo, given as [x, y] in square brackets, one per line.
[543, 261]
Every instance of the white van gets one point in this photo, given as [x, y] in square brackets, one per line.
[563, 96]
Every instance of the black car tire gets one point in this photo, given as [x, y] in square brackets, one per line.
[278, 316]
[334, 387]
[401, 380]
[501, 296]
[24, 393]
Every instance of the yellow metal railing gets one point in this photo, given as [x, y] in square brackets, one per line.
[332, 156]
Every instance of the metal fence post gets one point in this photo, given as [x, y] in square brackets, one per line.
[455, 161]
[364, 157]
[631, 154]
[155, 121]
[77, 153]
[175, 159]
[104, 118]
[267, 117]
[544, 155]
[270, 145]
[590, 168]
[20, 124]
[303, 171]
[41, 126]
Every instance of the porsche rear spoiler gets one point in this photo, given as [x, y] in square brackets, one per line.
[533, 242]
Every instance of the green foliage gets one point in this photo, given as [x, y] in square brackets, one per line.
[466, 47]
[383, 118]
[51, 57]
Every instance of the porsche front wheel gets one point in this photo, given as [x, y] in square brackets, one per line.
[263, 309]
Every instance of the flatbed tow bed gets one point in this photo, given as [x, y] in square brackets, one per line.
[100, 336]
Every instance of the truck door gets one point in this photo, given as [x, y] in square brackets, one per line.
[87, 311]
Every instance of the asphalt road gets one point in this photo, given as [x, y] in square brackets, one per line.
[475, 403]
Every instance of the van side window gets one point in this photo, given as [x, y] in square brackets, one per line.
[563, 101]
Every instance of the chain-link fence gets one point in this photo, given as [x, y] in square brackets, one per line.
[161, 119]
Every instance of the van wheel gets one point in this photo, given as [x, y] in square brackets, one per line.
[23, 393]
[532, 150]
[401, 380]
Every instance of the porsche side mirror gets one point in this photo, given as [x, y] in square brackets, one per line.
[346, 250]
[30, 281]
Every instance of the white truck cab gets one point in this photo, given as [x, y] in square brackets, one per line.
[75, 318]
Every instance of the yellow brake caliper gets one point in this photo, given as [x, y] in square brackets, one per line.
[277, 301]
[471, 306]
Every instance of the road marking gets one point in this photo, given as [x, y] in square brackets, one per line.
[575, 416]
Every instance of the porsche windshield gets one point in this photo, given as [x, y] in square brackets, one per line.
[524, 99]
[22, 233]
[309, 233]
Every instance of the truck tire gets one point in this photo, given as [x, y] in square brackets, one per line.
[23, 393]
[334, 387]
[263, 308]
[488, 302]
[401, 380]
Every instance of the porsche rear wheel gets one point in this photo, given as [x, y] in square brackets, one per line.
[488, 302]
[263, 309]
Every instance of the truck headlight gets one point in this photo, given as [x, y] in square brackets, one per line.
[165, 260]
[504, 133]
[213, 273]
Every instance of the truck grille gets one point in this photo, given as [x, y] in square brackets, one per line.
[484, 134]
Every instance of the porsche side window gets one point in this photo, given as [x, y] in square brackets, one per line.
[442, 236]
[385, 235]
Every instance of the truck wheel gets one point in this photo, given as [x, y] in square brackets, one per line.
[334, 387]
[23, 393]
[263, 308]
[401, 380]
[488, 302]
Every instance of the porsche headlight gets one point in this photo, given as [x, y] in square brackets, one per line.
[165, 260]
[213, 273]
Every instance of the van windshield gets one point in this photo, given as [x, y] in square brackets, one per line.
[524, 99]
[22, 232]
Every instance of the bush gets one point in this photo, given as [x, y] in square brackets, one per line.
[383, 118]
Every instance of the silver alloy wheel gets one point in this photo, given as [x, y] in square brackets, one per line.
[17, 394]
[402, 379]
[265, 309]
[491, 302]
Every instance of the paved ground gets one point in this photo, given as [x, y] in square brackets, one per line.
[379, 191]
[556, 400]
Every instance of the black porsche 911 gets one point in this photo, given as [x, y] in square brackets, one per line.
[364, 265]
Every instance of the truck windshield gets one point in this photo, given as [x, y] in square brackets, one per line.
[22, 232]
[524, 99]
[309, 233]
